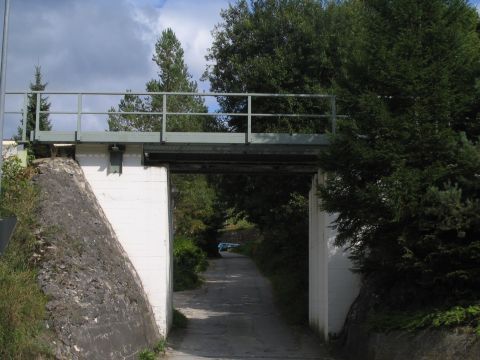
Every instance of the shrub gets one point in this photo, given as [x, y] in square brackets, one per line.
[432, 318]
[188, 261]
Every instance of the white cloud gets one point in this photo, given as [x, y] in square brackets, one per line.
[192, 22]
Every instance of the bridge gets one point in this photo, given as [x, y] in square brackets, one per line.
[129, 172]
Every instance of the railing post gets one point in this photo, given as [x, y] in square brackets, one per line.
[334, 114]
[248, 138]
[163, 134]
[37, 116]
[78, 135]
[25, 117]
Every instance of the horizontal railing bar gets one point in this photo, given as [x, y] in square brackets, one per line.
[291, 115]
[13, 112]
[173, 113]
[107, 93]
[58, 112]
[120, 113]
[207, 114]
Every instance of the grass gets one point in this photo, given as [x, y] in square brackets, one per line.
[22, 304]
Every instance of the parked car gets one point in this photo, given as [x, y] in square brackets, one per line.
[223, 246]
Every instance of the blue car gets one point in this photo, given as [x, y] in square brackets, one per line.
[223, 246]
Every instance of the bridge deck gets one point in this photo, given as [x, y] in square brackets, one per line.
[225, 151]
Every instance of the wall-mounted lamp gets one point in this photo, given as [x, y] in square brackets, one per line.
[116, 158]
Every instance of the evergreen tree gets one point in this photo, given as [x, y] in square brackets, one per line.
[44, 122]
[403, 175]
[173, 76]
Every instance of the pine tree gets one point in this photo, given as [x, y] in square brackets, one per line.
[173, 76]
[44, 121]
[403, 173]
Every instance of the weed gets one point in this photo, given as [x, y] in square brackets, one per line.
[160, 347]
[146, 355]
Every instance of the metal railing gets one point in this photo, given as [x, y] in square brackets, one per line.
[164, 136]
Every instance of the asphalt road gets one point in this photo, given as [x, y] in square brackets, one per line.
[233, 316]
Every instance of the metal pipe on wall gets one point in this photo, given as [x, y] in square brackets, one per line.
[3, 72]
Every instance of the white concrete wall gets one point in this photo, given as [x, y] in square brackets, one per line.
[318, 265]
[137, 204]
[332, 286]
[343, 284]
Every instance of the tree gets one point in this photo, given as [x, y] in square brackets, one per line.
[173, 76]
[403, 170]
[281, 46]
[44, 121]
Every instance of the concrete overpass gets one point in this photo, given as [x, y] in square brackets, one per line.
[129, 172]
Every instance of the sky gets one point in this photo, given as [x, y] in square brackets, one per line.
[99, 45]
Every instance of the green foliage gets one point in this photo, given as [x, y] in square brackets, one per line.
[22, 304]
[404, 165]
[44, 121]
[157, 350]
[193, 204]
[180, 321]
[160, 346]
[147, 355]
[404, 176]
[188, 261]
[412, 321]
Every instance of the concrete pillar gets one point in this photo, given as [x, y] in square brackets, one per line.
[332, 285]
[137, 204]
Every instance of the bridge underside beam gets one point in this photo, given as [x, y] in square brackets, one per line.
[234, 158]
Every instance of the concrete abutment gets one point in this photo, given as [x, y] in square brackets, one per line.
[332, 285]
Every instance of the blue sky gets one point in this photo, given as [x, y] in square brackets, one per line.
[101, 45]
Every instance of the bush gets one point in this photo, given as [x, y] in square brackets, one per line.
[188, 261]
[411, 321]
